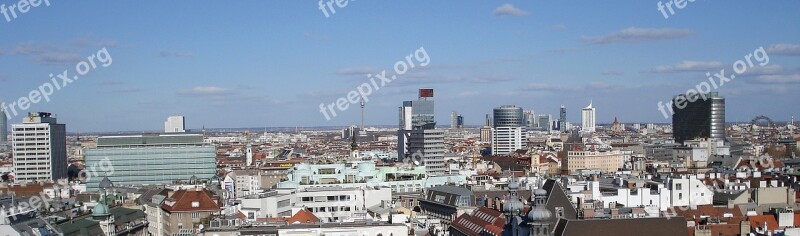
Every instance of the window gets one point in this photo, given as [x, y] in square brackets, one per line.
[196, 215]
[678, 187]
[559, 212]
[680, 196]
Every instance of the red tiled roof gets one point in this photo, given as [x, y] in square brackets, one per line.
[184, 201]
[707, 210]
[482, 220]
[303, 216]
[758, 221]
[29, 190]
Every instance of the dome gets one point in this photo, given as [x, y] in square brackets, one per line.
[540, 214]
[513, 206]
[100, 210]
[540, 192]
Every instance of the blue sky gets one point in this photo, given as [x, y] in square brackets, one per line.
[271, 63]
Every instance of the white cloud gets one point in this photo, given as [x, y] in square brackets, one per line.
[358, 70]
[635, 35]
[509, 10]
[784, 49]
[548, 87]
[688, 66]
[204, 90]
[779, 79]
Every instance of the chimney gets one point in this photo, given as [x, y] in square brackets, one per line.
[744, 228]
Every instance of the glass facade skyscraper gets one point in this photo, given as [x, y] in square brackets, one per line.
[508, 116]
[509, 132]
[149, 159]
[3, 126]
[417, 137]
[562, 119]
[698, 116]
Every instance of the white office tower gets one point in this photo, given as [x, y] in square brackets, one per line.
[454, 120]
[426, 147]
[507, 140]
[175, 124]
[509, 133]
[3, 126]
[588, 118]
[39, 145]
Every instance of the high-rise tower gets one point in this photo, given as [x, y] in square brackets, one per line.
[40, 132]
[418, 140]
[588, 118]
[3, 126]
[562, 119]
[698, 116]
[509, 132]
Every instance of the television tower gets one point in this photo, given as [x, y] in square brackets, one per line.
[362, 112]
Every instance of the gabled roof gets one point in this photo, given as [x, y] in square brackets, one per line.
[556, 197]
[303, 216]
[482, 220]
[639, 226]
[708, 210]
[190, 201]
[759, 220]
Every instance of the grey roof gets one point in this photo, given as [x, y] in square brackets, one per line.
[455, 190]
[638, 226]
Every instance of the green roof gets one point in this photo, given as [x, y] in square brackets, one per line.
[81, 227]
[125, 215]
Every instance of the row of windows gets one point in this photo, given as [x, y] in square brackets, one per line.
[17, 144]
[30, 129]
[329, 209]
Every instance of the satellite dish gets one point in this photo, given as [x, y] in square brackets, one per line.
[416, 163]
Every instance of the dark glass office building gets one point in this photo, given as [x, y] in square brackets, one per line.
[698, 116]
[562, 119]
[508, 116]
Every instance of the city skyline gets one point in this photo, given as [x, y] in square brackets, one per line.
[238, 65]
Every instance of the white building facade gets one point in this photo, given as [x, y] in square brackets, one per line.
[40, 148]
[175, 124]
[588, 118]
[507, 140]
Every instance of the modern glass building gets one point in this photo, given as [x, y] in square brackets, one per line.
[149, 159]
[698, 116]
[417, 135]
[508, 116]
[3, 126]
[509, 132]
[562, 118]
